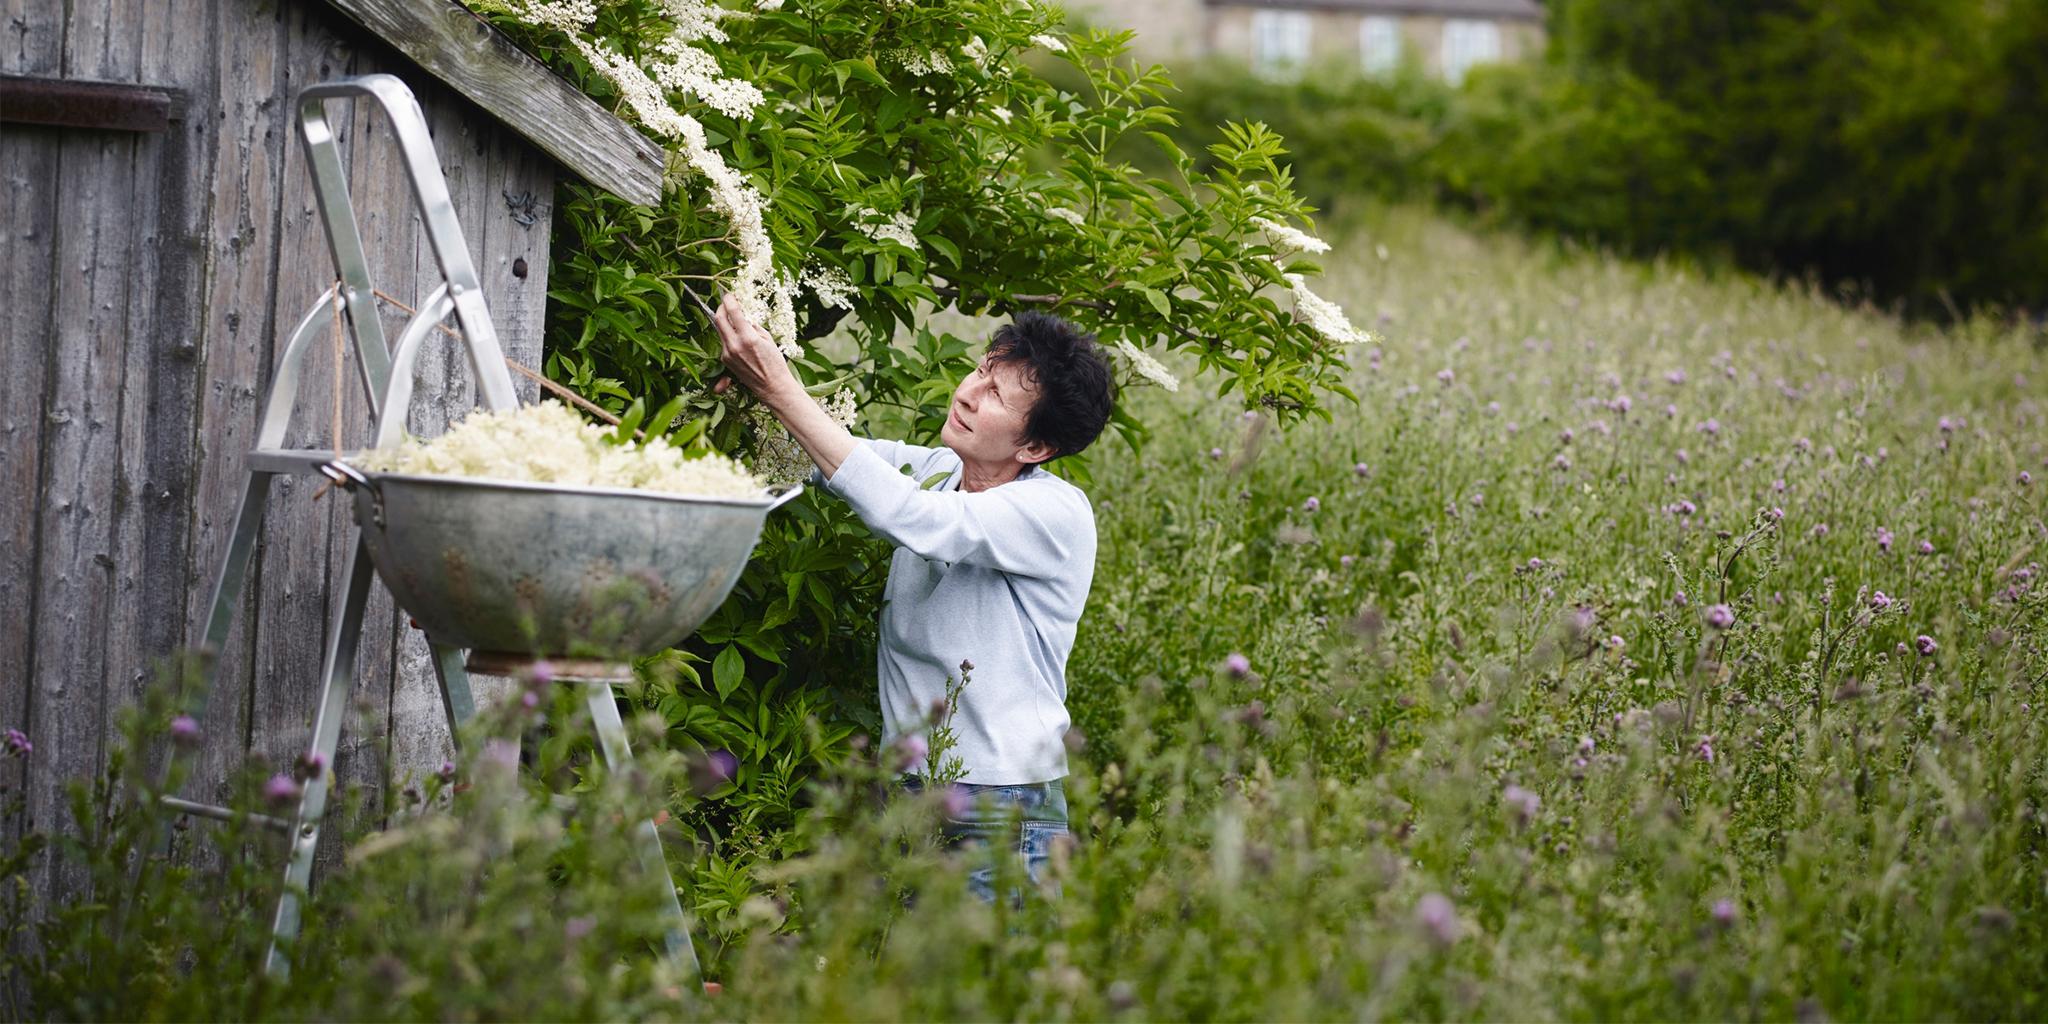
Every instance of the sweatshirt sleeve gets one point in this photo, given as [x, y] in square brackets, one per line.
[1025, 529]
[895, 453]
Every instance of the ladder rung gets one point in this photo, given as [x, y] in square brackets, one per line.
[300, 461]
[224, 814]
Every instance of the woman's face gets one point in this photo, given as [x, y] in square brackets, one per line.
[988, 413]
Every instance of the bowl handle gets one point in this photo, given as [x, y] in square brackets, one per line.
[783, 497]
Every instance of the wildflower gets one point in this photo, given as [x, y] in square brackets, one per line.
[1615, 643]
[966, 665]
[18, 744]
[2026, 478]
[1346, 561]
[1535, 564]
[1147, 367]
[1562, 462]
[1803, 444]
[1710, 427]
[1288, 238]
[1879, 601]
[311, 764]
[1237, 664]
[954, 802]
[1678, 598]
[1445, 376]
[1705, 749]
[1311, 504]
[185, 731]
[1521, 802]
[529, 700]
[1362, 470]
[1925, 645]
[1884, 539]
[1820, 529]
[1778, 485]
[1478, 499]
[1620, 404]
[1776, 514]
[447, 771]
[1670, 411]
[908, 750]
[1946, 425]
[1720, 616]
[1681, 508]
[1675, 377]
[280, 790]
[1215, 453]
[1682, 457]
[1585, 744]
[1493, 408]
[1926, 547]
[1565, 436]
[1724, 912]
[1439, 920]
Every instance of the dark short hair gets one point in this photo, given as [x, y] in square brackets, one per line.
[1074, 384]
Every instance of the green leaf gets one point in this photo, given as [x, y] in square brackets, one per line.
[728, 670]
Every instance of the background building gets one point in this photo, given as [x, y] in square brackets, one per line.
[1282, 37]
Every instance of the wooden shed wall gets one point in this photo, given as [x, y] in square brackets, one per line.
[146, 285]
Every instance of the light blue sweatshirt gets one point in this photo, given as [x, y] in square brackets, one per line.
[996, 577]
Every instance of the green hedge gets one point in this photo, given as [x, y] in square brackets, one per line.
[1894, 150]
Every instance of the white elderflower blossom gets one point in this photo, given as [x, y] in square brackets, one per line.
[833, 288]
[1062, 213]
[694, 20]
[642, 93]
[768, 5]
[1287, 238]
[1049, 42]
[919, 62]
[778, 457]
[548, 443]
[1149, 368]
[975, 50]
[1323, 316]
[898, 228]
[695, 72]
[842, 407]
[1002, 114]
[570, 16]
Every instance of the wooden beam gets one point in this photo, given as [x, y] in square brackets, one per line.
[478, 61]
[71, 103]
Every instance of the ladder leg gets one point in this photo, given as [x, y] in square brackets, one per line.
[611, 738]
[227, 588]
[457, 702]
[337, 682]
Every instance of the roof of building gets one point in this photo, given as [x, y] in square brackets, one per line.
[1515, 10]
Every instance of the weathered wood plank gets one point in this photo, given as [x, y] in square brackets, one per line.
[243, 173]
[28, 171]
[74, 577]
[463, 50]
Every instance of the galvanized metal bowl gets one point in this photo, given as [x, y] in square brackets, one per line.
[556, 571]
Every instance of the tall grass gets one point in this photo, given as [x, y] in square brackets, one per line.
[1476, 756]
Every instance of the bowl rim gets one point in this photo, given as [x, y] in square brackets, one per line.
[769, 499]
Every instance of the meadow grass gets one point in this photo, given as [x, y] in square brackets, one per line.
[1550, 682]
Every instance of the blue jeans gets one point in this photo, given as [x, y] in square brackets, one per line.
[986, 821]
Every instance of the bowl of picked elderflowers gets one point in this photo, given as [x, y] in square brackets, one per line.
[532, 533]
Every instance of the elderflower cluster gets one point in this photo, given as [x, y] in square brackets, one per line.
[831, 285]
[1323, 316]
[1049, 42]
[1062, 213]
[548, 443]
[919, 62]
[693, 72]
[975, 50]
[1147, 367]
[694, 20]
[1288, 239]
[897, 228]
[778, 457]
[568, 16]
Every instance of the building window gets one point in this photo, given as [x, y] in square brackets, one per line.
[1279, 42]
[1468, 42]
[1379, 43]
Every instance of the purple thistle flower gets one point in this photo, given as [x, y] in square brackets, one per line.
[1585, 744]
[2026, 478]
[1803, 444]
[1925, 645]
[18, 744]
[712, 769]
[954, 802]
[1237, 664]
[1926, 547]
[1820, 529]
[1215, 453]
[1720, 616]
[1621, 404]
[1346, 561]
[1778, 485]
[1439, 920]
[1777, 514]
[1884, 539]
[185, 731]
[1675, 376]
[1711, 426]
[1705, 750]
[1562, 462]
[1311, 504]
[909, 749]
[542, 672]
[1535, 564]
[1565, 436]
[1444, 377]
[1681, 456]
[448, 771]
[1615, 643]
[1521, 802]
[1879, 602]
[1946, 425]
[1724, 912]
[529, 700]
[1678, 598]
[280, 790]
[1670, 410]
[1362, 470]
[1478, 499]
